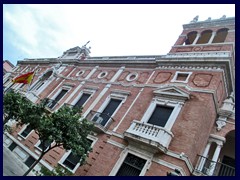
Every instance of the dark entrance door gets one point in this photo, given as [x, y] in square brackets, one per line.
[228, 167]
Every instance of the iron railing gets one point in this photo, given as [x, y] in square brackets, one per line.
[51, 104]
[101, 121]
[208, 167]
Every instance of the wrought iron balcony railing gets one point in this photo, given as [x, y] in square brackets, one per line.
[152, 136]
[208, 167]
[101, 121]
[51, 104]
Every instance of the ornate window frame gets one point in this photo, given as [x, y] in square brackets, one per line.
[64, 87]
[123, 155]
[180, 72]
[115, 94]
[38, 148]
[169, 96]
[165, 103]
[80, 73]
[129, 79]
[102, 74]
[84, 91]
[66, 154]
[23, 129]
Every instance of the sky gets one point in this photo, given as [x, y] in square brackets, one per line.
[47, 30]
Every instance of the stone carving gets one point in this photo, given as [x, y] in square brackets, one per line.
[202, 80]
[198, 48]
[223, 17]
[227, 109]
[208, 19]
[195, 19]
[162, 77]
[77, 52]
[143, 77]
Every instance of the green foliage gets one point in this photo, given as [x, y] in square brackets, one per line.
[58, 171]
[7, 128]
[62, 127]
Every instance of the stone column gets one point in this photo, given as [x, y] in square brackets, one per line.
[212, 37]
[203, 159]
[196, 39]
[214, 159]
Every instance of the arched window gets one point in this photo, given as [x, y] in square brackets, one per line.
[220, 36]
[205, 36]
[191, 37]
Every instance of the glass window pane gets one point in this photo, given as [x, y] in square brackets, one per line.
[160, 115]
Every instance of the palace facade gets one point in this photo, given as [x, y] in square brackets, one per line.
[161, 115]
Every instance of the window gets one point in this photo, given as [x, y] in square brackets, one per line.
[80, 73]
[9, 88]
[165, 106]
[26, 132]
[182, 77]
[71, 161]
[132, 76]
[12, 146]
[42, 146]
[40, 84]
[191, 37]
[107, 112]
[73, 53]
[30, 160]
[8, 80]
[132, 166]
[160, 115]
[82, 100]
[205, 37]
[22, 85]
[57, 99]
[220, 36]
[102, 74]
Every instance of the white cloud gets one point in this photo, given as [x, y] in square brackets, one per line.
[48, 30]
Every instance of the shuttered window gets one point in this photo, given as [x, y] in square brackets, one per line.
[109, 110]
[72, 160]
[82, 100]
[26, 131]
[132, 166]
[160, 115]
[12, 146]
[44, 146]
[59, 96]
[30, 160]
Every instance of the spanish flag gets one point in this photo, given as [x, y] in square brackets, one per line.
[25, 78]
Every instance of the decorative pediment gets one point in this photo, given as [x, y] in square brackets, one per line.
[172, 92]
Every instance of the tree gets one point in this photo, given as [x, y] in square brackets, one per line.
[57, 171]
[63, 127]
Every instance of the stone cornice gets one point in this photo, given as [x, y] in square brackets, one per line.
[202, 63]
[211, 23]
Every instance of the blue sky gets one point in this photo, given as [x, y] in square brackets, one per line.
[46, 31]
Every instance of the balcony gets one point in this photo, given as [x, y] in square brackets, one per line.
[150, 137]
[101, 121]
[51, 105]
[207, 167]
